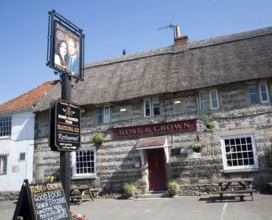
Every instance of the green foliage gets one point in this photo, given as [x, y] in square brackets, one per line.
[208, 122]
[97, 138]
[173, 186]
[130, 189]
[197, 147]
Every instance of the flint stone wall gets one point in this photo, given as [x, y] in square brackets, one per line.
[115, 159]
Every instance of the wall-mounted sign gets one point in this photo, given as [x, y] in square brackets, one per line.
[65, 126]
[152, 129]
[65, 50]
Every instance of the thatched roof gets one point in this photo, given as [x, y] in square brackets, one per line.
[216, 61]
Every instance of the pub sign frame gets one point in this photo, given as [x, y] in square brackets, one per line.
[65, 132]
[65, 46]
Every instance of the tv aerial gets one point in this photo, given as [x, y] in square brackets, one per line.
[171, 26]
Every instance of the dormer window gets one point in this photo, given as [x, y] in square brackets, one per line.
[102, 114]
[258, 93]
[209, 100]
[152, 107]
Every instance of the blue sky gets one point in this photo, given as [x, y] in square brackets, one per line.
[109, 27]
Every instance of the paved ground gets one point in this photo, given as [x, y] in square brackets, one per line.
[185, 208]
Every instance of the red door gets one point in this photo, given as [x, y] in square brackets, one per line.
[156, 169]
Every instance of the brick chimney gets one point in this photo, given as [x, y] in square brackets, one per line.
[180, 39]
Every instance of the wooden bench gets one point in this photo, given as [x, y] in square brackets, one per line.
[80, 194]
[236, 193]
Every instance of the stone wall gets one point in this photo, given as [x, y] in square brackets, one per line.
[115, 159]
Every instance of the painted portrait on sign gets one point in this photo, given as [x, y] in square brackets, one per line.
[67, 54]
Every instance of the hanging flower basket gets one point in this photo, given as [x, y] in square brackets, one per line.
[197, 147]
[97, 139]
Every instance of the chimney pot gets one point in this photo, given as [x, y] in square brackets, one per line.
[180, 39]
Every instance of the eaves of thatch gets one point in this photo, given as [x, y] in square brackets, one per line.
[194, 65]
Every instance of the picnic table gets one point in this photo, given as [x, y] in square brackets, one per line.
[235, 187]
[82, 193]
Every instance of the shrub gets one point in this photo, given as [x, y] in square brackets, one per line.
[130, 189]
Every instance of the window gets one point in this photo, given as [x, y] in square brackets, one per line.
[22, 157]
[152, 107]
[209, 100]
[239, 152]
[5, 126]
[102, 114]
[3, 164]
[258, 95]
[84, 162]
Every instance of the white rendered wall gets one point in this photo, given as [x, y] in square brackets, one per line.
[20, 141]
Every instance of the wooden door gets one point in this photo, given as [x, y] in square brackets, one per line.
[156, 169]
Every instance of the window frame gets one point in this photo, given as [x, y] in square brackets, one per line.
[209, 100]
[74, 163]
[259, 93]
[151, 107]
[239, 168]
[3, 164]
[103, 118]
[5, 126]
[266, 92]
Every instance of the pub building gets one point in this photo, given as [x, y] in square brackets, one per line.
[152, 107]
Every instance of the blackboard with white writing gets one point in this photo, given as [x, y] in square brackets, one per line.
[46, 201]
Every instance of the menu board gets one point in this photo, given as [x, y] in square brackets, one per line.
[46, 201]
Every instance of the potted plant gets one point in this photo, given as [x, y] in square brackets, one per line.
[141, 184]
[173, 187]
[130, 189]
[197, 147]
[208, 122]
[97, 138]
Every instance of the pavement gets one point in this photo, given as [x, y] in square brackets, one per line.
[177, 208]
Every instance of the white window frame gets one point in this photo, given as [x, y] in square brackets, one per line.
[5, 126]
[209, 100]
[151, 106]
[148, 101]
[3, 164]
[266, 92]
[239, 168]
[74, 165]
[259, 93]
[105, 115]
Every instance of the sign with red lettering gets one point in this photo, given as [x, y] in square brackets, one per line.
[159, 128]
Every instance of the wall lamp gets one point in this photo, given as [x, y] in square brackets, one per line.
[177, 102]
[121, 109]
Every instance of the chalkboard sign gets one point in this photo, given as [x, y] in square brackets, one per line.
[46, 201]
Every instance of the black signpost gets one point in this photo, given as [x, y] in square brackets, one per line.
[69, 63]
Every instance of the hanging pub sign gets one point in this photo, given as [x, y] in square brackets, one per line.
[65, 126]
[42, 201]
[65, 48]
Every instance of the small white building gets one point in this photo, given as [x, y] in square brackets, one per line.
[17, 122]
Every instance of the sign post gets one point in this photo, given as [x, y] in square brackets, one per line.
[65, 54]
